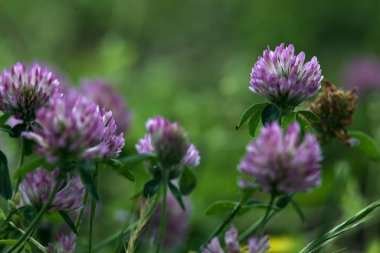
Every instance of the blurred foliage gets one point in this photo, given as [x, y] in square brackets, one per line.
[190, 61]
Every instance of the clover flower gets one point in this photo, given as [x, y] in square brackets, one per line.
[63, 244]
[102, 93]
[255, 244]
[282, 163]
[37, 186]
[23, 91]
[335, 108]
[169, 142]
[72, 126]
[363, 74]
[283, 77]
[177, 222]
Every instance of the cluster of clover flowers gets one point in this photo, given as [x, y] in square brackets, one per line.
[74, 135]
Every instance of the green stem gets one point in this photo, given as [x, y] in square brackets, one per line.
[81, 212]
[125, 231]
[21, 162]
[270, 207]
[32, 240]
[38, 217]
[226, 221]
[93, 209]
[163, 211]
[255, 227]
[260, 224]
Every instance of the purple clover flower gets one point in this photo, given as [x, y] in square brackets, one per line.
[63, 244]
[37, 186]
[282, 163]
[255, 245]
[363, 74]
[284, 78]
[23, 91]
[73, 126]
[177, 222]
[102, 93]
[168, 141]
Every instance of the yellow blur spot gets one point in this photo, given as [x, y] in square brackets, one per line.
[277, 245]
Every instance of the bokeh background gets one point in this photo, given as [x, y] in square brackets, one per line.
[190, 61]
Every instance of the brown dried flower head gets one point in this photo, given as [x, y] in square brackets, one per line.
[335, 108]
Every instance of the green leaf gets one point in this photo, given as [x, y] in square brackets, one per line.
[270, 114]
[26, 168]
[86, 171]
[225, 206]
[137, 158]
[151, 187]
[187, 181]
[68, 221]
[298, 209]
[288, 119]
[4, 118]
[5, 180]
[283, 201]
[310, 116]
[335, 232]
[177, 195]
[17, 130]
[126, 172]
[366, 145]
[304, 123]
[254, 121]
[251, 110]
[114, 163]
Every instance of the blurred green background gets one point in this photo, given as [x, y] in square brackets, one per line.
[190, 61]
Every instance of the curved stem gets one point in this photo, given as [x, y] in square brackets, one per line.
[163, 211]
[265, 219]
[38, 217]
[226, 221]
[260, 224]
[81, 212]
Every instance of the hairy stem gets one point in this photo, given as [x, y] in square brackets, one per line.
[163, 211]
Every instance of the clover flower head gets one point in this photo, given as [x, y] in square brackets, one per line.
[282, 163]
[37, 186]
[169, 142]
[335, 108]
[25, 90]
[103, 94]
[255, 245]
[73, 126]
[284, 78]
[363, 74]
[63, 244]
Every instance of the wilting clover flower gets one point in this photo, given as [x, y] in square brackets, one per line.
[23, 91]
[72, 126]
[282, 163]
[37, 186]
[335, 108]
[284, 78]
[177, 222]
[255, 244]
[102, 93]
[169, 142]
[363, 74]
[63, 244]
